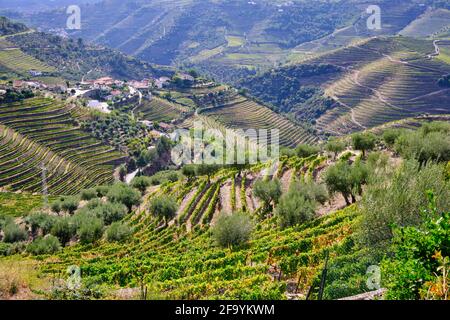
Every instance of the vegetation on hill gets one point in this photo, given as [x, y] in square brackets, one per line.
[295, 89]
[8, 27]
[74, 58]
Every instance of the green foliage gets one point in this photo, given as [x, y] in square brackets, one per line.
[40, 221]
[56, 206]
[163, 206]
[232, 230]
[346, 179]
[396, 199]
[306, 150]
[420, 266]
[118, 232]
[335, 146]
[88, 194]
[69, 204]
[141, 183]
[444, 81]
[102, 191]
[298, 205]
[64, 230]
[90, 229]
[47, 245]
[107, 212]
[164, 177]
[391, 135]
[363, 142]
[431, 142]
[268, 191]
[284, 88]
[124, 194]
[13, 233]
[9, 27]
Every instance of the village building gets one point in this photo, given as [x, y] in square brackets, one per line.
[97, 105]
[161, 82]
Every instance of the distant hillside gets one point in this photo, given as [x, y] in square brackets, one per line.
[366, 85]
[9, 27]
[227, 38]
[74, 58]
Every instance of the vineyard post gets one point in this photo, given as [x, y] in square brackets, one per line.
[324, 276]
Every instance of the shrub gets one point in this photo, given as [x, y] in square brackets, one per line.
[398, 199]
[164, 206]
[124, 194]
[338, 179]
[90, 229]
[391, 135]
[306, 150]
[5, 220]
[63, 229]
[102, 191]
[189, 171]
[363, 142]
[434, 145]
[335, 146]
[69, 204]
[419, 267]
[294, 208]
[13, 233]
[268, 191]
[40, 221]
[141, 183]
[47, 245]
[118, 232]
[109, 212]
[56, 206]
[232, 230]
[298, 205]
[88, 194]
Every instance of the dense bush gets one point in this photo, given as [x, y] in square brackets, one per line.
[69, 204]
[13, 233]
[102, 191]
[232, 230]
[47, 245]
[88, 194]
[363, 142]
[118, 232]
[141, 183]
[346, 179]
[335, 146]
[419, 268]
[40, 221]
[63, 229]
[306, 150]
[298, 205]
[391, 135]
[108, 212]
[397, 199]
[431, 142]
[90, 229]
[268, 191]
[124, 194]
[163, 206]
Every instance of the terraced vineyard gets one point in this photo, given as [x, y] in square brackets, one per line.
[246, 114]
[19, 204]
[388, 79]
[40, 132]
[181, 261]
[15, 60]
[160, 110]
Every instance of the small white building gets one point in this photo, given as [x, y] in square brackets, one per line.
[100, 106]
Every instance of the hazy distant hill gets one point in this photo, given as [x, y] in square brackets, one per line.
[229, 37]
